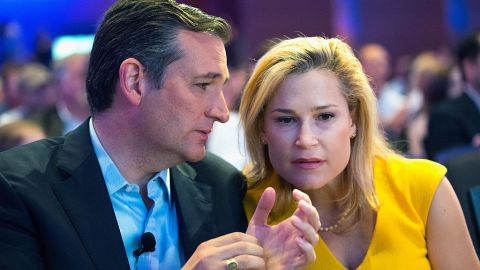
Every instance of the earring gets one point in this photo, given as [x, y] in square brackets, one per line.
[263, 141]
[353, 135]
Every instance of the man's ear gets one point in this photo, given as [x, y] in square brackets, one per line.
[132, 80]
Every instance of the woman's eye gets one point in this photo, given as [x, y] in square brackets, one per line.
[285, 120]
[325, 116]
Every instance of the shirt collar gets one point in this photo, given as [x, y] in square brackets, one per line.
[114, 180]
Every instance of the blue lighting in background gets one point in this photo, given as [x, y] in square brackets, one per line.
[23, 21]
[457, 16]
[65, 46]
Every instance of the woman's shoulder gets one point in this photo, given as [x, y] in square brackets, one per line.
[399, 167]
[413, 180]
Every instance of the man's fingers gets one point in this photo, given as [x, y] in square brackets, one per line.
[231, 238]
[240, 248]
[249, 262]
[219, 252]
[264, 207]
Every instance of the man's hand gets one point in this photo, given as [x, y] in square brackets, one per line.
[289, 244]
[213, 254]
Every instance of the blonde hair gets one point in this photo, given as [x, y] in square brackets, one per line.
[300, 55]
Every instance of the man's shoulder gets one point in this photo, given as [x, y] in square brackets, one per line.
[454, 106]
[24, 159]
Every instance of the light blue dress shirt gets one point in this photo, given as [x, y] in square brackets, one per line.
[134, 218]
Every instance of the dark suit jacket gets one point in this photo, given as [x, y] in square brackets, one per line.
[451, 124]
[55, 211]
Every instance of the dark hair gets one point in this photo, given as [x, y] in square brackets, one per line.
[468, 49]
[437, 89]
[145, 30]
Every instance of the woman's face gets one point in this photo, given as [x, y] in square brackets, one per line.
[308, 128]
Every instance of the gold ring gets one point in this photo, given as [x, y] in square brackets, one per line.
[232, 264]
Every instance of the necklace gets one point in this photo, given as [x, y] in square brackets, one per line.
[334, 226]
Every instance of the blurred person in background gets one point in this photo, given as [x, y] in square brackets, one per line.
[10, 72]
[399, 80]
[424, 68]
[18, 133]
[456, 122]
[456, 84]
[434, 91]
[391, 101]
[311, 123]
[35, 93]
[71, 108]
[2, 97]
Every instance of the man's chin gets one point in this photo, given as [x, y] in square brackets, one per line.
[196, 156]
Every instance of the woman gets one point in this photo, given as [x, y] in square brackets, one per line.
[311, 123]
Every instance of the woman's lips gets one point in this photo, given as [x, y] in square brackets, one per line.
[308, 163]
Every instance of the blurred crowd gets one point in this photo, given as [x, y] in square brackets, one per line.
[38, 101]
[42, 97]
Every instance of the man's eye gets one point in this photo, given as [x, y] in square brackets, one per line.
[202, 85]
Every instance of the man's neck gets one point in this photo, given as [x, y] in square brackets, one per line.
[116, 138]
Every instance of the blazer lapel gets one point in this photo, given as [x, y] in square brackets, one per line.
[193, 201]
[86, 201]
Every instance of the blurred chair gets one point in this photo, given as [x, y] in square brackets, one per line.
[445, 155]
[475, 198]
[464, 174]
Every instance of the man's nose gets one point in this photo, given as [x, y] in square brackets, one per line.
[218, 109]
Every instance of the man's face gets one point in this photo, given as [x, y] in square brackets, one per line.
[177, 119]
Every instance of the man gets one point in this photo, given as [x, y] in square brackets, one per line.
[90, 199]
[456, 123]
[71, 108]
[391, 101]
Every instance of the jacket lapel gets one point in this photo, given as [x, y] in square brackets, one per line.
[193, 201]
[85, 198]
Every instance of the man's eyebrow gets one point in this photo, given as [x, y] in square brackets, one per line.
[211, 75]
